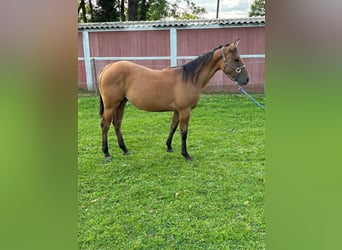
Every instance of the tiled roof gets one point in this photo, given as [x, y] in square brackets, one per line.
[257, 21]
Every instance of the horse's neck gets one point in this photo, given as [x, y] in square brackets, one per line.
[210, 69]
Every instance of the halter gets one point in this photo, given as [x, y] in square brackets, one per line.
[238, 71]
[226, 63]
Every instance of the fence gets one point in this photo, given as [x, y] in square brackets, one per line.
[163, 44]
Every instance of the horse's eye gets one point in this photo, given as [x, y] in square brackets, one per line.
[236, 60]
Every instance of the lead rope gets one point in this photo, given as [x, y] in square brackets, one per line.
[237, 70]
[250, 97]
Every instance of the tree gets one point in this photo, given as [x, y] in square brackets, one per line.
[137, 10]
[82, 11]
[133, 6]
[258, 8]
[144, 7]
[177, 9]
[107, 11]
[185, 9]
[85, 11]
[122, 10]
[158, 9]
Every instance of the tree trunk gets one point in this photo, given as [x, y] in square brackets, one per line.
[143, 10]
[83, 8]
[91, 11]
[133, 10]
[122, 11]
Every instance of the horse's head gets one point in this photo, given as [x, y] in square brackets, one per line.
[232, 64]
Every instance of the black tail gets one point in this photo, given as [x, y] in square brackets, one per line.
[101, 106]
[101, 101]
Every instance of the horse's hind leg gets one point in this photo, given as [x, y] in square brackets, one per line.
[117, 121]
[174, 124]
[105, 122]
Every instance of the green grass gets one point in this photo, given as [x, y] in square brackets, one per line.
[152, 199]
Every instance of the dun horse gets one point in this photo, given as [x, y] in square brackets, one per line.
[176, 89]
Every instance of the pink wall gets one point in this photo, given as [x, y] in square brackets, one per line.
[130, 43]
[252, 41]
[197, 41]
[190, 42]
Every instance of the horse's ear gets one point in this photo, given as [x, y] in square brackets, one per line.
[236, 43]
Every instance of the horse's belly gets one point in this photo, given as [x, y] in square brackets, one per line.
[152, 104]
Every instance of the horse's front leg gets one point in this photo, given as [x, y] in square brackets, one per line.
[184, 117]
[174, 125]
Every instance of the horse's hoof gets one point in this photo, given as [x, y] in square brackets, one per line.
[126, 153]
[108, 158]
[188, 158]
[169, 150]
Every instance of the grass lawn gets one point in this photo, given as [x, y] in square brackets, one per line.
[152, 199]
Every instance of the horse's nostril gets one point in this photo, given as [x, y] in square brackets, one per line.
[247, 80]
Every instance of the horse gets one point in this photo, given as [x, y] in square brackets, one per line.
[176, 89]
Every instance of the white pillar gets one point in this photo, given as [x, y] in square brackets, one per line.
[86, 52]
[173, 46]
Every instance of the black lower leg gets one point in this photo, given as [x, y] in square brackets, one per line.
[184, 150]
[104, 128]
[173, 128]
[105, 149]
[169, 139]
[122, 143]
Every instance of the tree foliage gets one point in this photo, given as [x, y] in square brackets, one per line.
[258, 8]
[137, 10]
[107, 11]
[185, 9]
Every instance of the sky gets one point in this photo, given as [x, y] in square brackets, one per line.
[228, 8]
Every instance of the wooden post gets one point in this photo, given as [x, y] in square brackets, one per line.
[93, 69]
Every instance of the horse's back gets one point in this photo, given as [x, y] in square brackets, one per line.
[121, 71]
[113, 70]
[126, 75]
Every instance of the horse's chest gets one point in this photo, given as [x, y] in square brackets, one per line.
[188, 98]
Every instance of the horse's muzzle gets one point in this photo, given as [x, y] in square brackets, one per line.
[242, 80]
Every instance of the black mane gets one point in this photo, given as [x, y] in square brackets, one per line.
[192, 68]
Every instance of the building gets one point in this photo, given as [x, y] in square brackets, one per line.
[161, 44]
